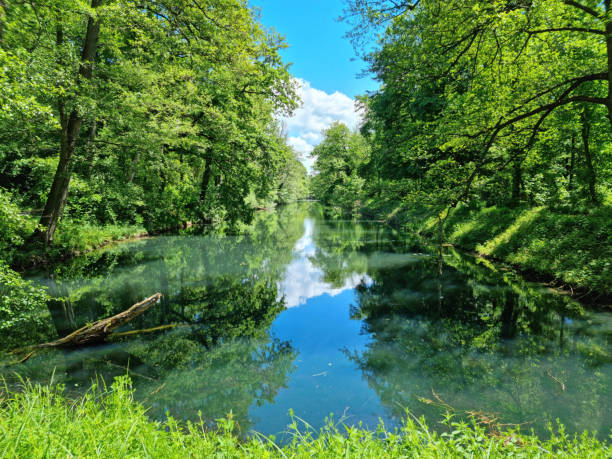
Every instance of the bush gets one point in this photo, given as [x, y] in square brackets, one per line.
[14, 227]
[23, 309]
[79, 237]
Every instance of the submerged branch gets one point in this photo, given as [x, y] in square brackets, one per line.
[96, 332]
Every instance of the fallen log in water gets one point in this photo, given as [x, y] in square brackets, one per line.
[93, 333]
[99, 330]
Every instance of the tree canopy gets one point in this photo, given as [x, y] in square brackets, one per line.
[504, 101]
[159, 112]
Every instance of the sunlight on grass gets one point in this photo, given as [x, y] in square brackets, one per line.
[573, 248]
[107, 422]
[493, 245]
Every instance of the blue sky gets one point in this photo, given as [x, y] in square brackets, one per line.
[319, 52]
[324, 64]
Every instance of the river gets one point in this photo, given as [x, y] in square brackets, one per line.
[323, 316]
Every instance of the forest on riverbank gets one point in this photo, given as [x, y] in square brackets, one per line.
[142, 116]
[491, 130]
[124, 119]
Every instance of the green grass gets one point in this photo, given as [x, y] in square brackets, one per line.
[43, 422]
[573, 248]
[83, 237]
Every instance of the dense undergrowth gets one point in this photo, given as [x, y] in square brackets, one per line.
[572, 248]
[43, 422]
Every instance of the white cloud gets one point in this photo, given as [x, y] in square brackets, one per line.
[300, 145]
[319, 109]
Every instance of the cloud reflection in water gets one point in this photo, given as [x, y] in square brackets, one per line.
[303, 280]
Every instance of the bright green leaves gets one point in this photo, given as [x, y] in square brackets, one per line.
[178, 87]
[479, 98]
[339, 158]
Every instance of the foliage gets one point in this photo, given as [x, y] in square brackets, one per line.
[14, 227]
[42, 422]
[338, 159]
[77, 238]
[171, 119]
[498, 102]
[292, 182]
[499, 107]
[23, 314]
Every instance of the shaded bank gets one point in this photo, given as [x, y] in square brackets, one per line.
[572, 252]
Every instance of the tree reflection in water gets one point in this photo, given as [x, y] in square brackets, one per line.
[490, 343]
[220, 291]
[478, 336]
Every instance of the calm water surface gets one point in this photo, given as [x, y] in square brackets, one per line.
[326, 317]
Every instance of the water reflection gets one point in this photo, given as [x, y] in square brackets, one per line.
[304, 280]
[492, 344]
[328, 316]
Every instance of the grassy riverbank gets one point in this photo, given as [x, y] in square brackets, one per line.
[71, 238]
[42, 422]
[574, 250]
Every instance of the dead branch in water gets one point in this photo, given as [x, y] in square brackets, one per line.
[93, 333]
[557, 380]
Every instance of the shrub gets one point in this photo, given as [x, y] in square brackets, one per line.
[23, 309]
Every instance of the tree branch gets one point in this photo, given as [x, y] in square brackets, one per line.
[568, 29]
[584, 8]
[576, 80]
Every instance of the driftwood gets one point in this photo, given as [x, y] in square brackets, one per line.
[99, 330]
[93, 333]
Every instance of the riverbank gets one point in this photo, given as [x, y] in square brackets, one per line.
[71, 238]
[44, 422]
[569, 251]
[74, 240]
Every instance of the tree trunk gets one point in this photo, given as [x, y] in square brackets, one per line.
[570, 184]
[70, 129]
[586, 128]
[205, 179]
[61, 181]
[516, 182]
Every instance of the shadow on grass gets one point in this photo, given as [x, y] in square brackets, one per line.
[575, 248]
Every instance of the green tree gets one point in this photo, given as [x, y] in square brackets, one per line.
[339, 157]
[472, 92]
[162, 112]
